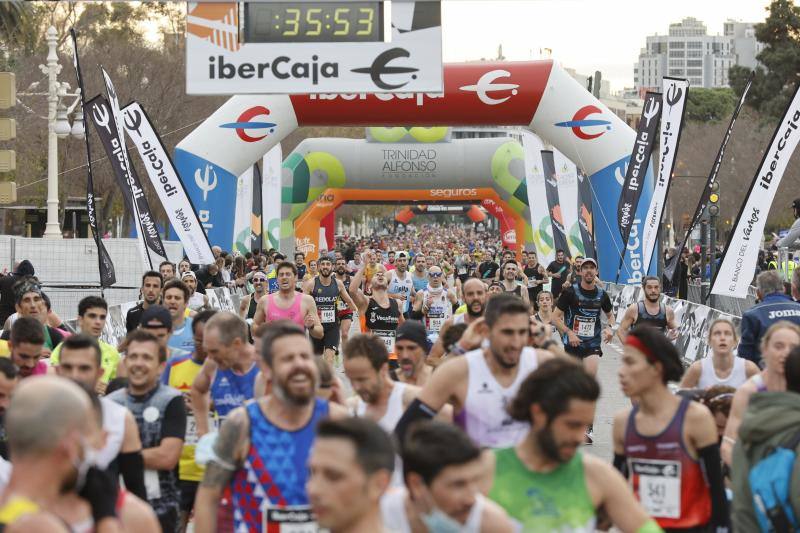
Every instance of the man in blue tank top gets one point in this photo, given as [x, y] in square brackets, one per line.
[263, 447]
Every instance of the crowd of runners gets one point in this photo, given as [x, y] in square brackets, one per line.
[428, 381]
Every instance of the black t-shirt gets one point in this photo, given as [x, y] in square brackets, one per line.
[7, 298]
[174, 423]
[533, 273]
[488, 269]
[134, 317]
[568, 299]
[558, 268]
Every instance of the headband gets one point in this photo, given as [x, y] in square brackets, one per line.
[634, 341]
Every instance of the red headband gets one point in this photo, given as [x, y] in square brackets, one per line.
[631, 340]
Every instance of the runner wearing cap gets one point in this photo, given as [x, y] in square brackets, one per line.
[412, 346]
[196, 300]
[401, 283]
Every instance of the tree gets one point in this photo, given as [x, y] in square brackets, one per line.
[710, 105]
[774, 84]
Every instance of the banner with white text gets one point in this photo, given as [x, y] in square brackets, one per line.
[534, 181]
[271, 195]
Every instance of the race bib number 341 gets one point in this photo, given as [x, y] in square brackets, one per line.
[659, 486]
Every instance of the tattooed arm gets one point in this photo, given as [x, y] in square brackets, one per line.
[229, 453]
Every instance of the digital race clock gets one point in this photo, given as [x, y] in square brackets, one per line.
[299, 22]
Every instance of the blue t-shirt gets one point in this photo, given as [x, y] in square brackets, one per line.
[182, 338]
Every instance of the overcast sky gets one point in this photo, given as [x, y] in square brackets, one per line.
[586, 35]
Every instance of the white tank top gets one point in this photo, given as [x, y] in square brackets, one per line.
[439, 311]
[709, 378]
[404, 286]
[459, 318]
[395, 519]
[394, 408]
[114, 425]
[484, 416]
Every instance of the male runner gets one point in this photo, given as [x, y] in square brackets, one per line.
[286, 304]
[420, 273]
[300, 265]
[381, 314]
[480, 384]
[349, 467]
[577, 317]
[650, 311]
[167, 270]
[343, 311]
[475, 295]
[262, 448]
[510, 285]
[442, 473]
[176, 298]
[326, 291]
[161, 417]
[390, 261]
[401, 283]
[776, 344]
[545, 482]
[197, 300]
[665, 444]
[435, 303]
[248, 305]
[557, 271]
[411, 345]
[151, 294]
[25, 344]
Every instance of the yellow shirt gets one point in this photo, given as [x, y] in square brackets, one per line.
[179, 374]
[109, 360]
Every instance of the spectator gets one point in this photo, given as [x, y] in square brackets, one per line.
[790, 240]
[30, 303]
[7, 297]
[774, 306]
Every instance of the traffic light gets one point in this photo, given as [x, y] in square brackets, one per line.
[8, 126]
[713, 199]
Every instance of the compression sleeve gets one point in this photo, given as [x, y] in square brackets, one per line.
[131, 467]
[416, 411]
[712, 464]
[621, 464]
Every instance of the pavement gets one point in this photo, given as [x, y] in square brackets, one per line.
[612, 400]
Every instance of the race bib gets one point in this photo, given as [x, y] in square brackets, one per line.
[290, 519]
[659, 486]
[531, 283]
[462, 271]
[152, 486]
[191, 429]
[388, 339]
[340, 305]
[435, 324]
[584, 327]
[327, 316]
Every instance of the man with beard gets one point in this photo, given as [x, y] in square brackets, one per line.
[248, 305]
[151, 294]
[286, 304]
[299, 263]
[326, 291]
[343, 311]
[544, 482]
[651, 311]
[487, 269]
[401, 283]
[536, 274]
[510, 285]
[558, 271]
[475, 301]
[262, 448]
[420, 274]
[435, 303]
[481, 383]
[176, 298]
[412, 347]
[161, 417]
[167, 270]
[380, 314]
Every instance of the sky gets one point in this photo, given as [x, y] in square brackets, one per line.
[585, 35]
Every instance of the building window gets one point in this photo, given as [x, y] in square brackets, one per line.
[677, 44]
[694, 72]
[676, 62]
[694, 63]
[676, 53]
[695, 45]
[676, 72]
[694, 53]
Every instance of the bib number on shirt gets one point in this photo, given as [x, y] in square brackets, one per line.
[327, 316]
[584, 327]
[659, 486]
[435, 324]
[388, 339]
[291, 519]
[191, 429]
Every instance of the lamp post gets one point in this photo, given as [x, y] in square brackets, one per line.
[58, 126]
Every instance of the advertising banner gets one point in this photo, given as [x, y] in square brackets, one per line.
[104, 264]
[271, 194]
[534, 181]
[637, 168]
[585, 218]
[553, 202]
[256, 229]
[243, 212]
[167, 185]
[741, 252]
[675, 92]
[567, 177]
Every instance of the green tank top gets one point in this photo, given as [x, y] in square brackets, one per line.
[555, 501]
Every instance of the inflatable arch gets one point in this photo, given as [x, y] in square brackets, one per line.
[538, 95]
[407, 214]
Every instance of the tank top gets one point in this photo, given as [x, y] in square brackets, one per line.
[516, 291]
[420, 283]
[558, 500]
[584, 319]
[251, 310]
[273, 477]
[293, 313]
[15, 508]
[393, 512]
[342, 307]
[114, 426]
[325, 296]
[439, 311]
[402, 286]
[230, 390]
[382, 322]
[484, 417]
[668, 482]
[709, 378]
[658, 321]
[394, 408]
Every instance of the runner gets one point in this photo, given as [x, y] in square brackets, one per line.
[262, 448]
[420, 273]
[326, 291]
[443, 471]
[287, 305]
[510, 283]
[176, 297]
[411, 345]
[651, 311]
[380, 314]
[167, 270]
[577, 317]
[545, 482]
[25, 343]
[161, 417]
[248, 305]
[475, 295]
[401, 283]
[343, 311]
[667, 445]
[537, 276]
[776, 344]
[300, 265]
[150, 292]
[544, 315]
[557, 271]
[349, 471]
[480, 384]
[197, 300]
[723, 367]
[435, 303]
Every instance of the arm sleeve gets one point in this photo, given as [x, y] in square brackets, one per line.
[174, 424]
[564, 299]
[131, 468]
[416, 411]
[712, 464]
[605, 303]
[621, 464]
[747, 344]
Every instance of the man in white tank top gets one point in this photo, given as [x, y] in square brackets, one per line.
[401, 286]
[481, 383]
[441, 488]
[722, 367]
[475, 295]
[435, 303]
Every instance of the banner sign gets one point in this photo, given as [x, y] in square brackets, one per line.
[256, 229]
[534, 181]
[168, 185]
[585, 218]
[741, 252]
[105, 266]
[567, 178]
[637, 168]
[243, 212]
[99, 110]
[553, 202]
[670, 269]
[675, 93]
[271, 195]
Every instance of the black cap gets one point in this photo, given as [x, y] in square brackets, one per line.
[156, 316]
[414, 331]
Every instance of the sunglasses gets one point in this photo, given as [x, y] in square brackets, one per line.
[435, 274]
[259, 279]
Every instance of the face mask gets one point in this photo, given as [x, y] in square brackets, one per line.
[438, 522]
